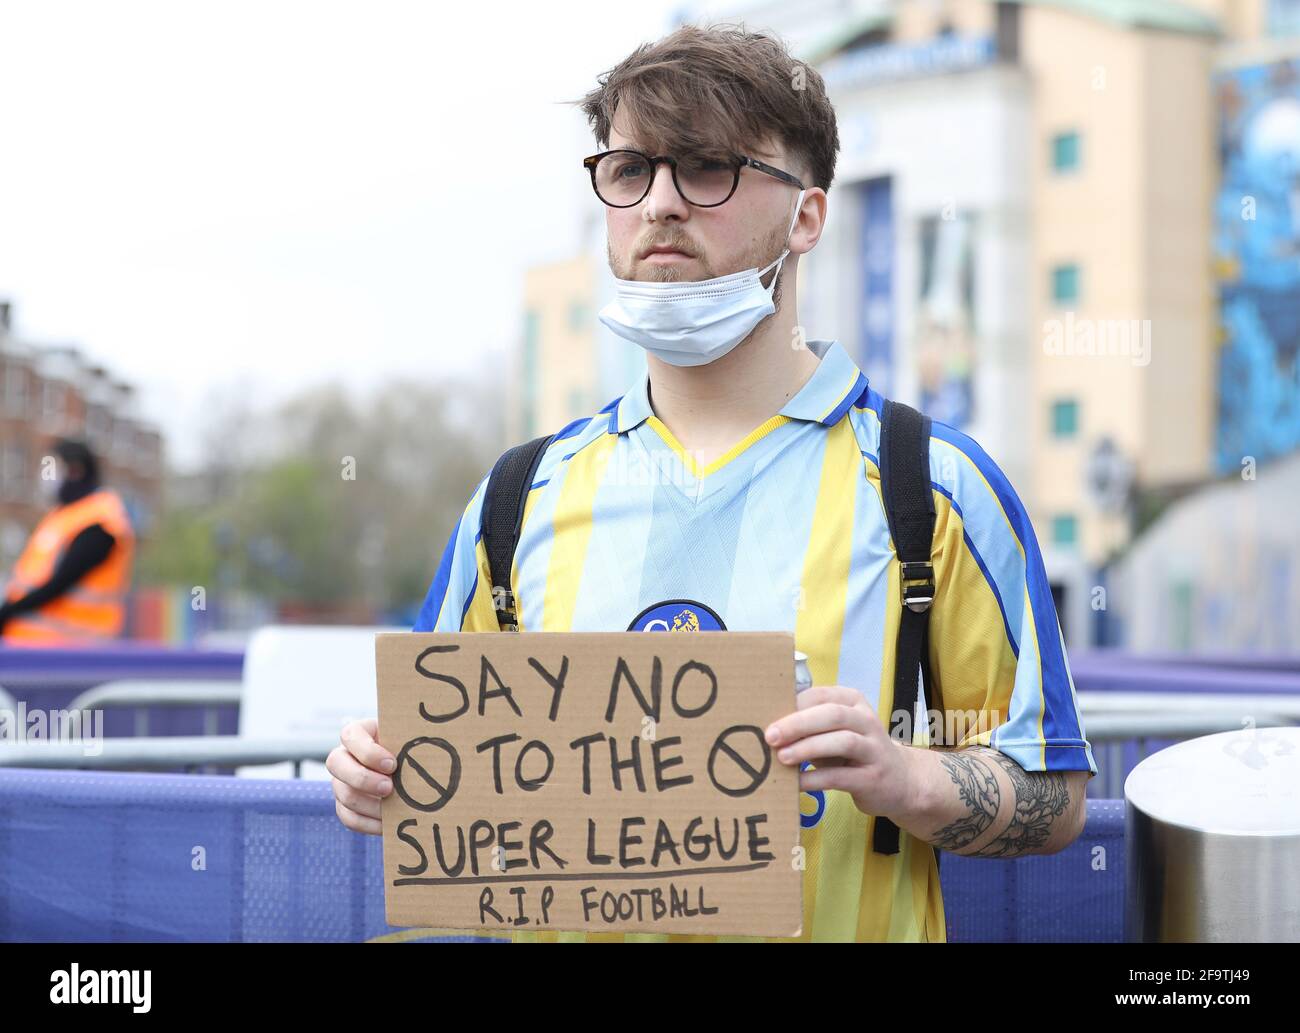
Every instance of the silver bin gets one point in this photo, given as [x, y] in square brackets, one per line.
[1213, 840]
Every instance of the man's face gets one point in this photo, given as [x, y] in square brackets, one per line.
[746, 232]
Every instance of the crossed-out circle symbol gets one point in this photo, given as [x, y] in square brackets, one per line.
[751, 777]
[410, 762]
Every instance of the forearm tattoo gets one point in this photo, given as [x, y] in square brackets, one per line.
[978, 786]
[1040, 798]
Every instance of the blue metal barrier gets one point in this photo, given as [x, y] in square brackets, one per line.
[83, 668]
[1075, 896]
[91, 857]
[50, 679]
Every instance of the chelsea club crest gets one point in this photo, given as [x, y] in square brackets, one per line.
[677, 615]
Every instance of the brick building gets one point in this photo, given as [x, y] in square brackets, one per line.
[47, 392]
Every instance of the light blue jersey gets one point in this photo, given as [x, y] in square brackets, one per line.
[623, 530]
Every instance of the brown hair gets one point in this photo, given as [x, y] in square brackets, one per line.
[715, 89]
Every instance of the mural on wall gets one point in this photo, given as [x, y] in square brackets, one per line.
[1257, 261]
[945, 319]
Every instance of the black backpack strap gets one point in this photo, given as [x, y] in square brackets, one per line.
[503, 517]
[909, 507]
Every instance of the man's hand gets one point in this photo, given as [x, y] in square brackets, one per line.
[974, 801]
[836, 730]
[361, 770]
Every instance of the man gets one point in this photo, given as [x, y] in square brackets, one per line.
[70, 582]
[765, 512]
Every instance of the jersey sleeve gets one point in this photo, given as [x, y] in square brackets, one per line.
[460, 597]
[996, 649]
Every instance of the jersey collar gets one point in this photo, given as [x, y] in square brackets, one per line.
[833, 387]
[634, 407]
[824, 399]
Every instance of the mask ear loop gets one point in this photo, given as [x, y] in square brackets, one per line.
[793, 219]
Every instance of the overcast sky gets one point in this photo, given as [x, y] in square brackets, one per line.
[274, 194]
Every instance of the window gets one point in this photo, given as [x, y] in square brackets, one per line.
[98, 424]
[1065, 152]
[15, 390]
[51, 401]
[1065, 529]
[12, 537]
[1065, 418]
[1065, 284]
[13, 474]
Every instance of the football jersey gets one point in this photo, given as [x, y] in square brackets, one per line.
[787, 531]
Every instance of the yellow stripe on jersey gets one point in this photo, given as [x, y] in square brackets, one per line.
[829, 911]
[688, 458]
[571, 531]
[911, 874]
[482, 613]
[977, 670]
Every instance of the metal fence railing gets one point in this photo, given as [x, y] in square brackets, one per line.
[165, 753]
[1131, 706]
[143, 695]
[1120, 741]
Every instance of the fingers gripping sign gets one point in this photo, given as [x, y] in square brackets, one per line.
[838, 733]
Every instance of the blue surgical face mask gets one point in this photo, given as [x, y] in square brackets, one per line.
[693, 323]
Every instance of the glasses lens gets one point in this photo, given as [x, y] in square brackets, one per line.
[705, 181]
[622, 177]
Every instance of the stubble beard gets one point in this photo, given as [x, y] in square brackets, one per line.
[762, 254]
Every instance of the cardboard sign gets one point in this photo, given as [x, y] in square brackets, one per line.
[599, 782]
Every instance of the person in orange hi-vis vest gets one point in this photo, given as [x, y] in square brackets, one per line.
[70, 582]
